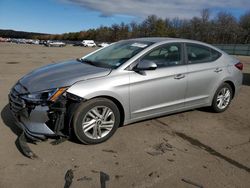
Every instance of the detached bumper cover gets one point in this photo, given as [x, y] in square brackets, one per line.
[37, 120]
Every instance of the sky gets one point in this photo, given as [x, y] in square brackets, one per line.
[60, 16]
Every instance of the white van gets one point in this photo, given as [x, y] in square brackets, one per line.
[88, 43]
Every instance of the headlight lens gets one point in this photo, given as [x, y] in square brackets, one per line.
[51, 95]
[57, 93]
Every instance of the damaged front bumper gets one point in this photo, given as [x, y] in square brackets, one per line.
[38, 119]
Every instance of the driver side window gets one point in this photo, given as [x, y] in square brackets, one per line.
[166, 55]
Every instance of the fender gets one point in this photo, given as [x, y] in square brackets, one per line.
[114, 86]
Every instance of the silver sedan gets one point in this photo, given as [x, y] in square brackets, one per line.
[125, 82]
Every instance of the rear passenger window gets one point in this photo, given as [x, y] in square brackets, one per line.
[201, 54]
[215, 55]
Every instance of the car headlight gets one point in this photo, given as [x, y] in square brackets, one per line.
[47, 95]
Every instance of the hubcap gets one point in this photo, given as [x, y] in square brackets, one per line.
[98, 122]
[223, 98]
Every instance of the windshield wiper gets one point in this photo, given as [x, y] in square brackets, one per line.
[94, 63]
[86, 61]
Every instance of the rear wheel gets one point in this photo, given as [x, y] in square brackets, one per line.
[222, 98]
[96, 120]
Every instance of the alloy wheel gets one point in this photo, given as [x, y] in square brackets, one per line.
[98, 122]
[223, 98]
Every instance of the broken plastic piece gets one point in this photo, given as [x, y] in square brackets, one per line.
[84, 178]
[59, 141]
[103, 178]
[68, 178]
[25, 149]
[191, 183]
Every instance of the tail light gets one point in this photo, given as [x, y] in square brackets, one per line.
[239, 66]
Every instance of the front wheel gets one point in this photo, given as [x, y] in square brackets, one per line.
[222, 98]
[96, 120]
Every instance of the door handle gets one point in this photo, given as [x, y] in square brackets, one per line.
[179, 76]
[218, 70]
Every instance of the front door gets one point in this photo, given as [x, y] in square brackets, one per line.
[155, 92]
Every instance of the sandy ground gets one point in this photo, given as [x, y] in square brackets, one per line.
[209, 149]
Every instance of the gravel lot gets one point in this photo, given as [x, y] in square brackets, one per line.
[209, 149]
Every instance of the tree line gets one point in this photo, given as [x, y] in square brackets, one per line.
[224, 28]
[7, 33]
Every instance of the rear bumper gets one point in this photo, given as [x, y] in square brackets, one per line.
[238, 80]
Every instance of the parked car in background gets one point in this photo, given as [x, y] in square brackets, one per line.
[29, 41]
[32, 41]
[42, 42]
[77, 43]
[103, 44]
[55, 44]
[19, 41]
[37, 42]
[88, 43]
[4, 39]
[125, 82]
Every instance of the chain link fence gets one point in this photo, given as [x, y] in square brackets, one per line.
[235, 49]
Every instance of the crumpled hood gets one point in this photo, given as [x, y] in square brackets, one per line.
[61, 75]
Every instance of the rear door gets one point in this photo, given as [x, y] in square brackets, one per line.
[162, 90]
[204, 72]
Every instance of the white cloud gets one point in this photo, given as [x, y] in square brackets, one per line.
[161, 8]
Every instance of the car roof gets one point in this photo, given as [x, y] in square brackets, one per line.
[159, 40]
[152, 39]
[163, 39]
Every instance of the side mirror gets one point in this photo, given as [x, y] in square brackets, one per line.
[145, 65]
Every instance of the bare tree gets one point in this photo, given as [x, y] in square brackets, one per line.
[223, 28]
[245, 25]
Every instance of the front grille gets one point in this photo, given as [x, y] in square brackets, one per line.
[16, 103]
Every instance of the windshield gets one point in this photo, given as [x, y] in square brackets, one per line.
[116, 54]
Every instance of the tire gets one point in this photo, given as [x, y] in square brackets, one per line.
[97, 129]
[220, 105]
